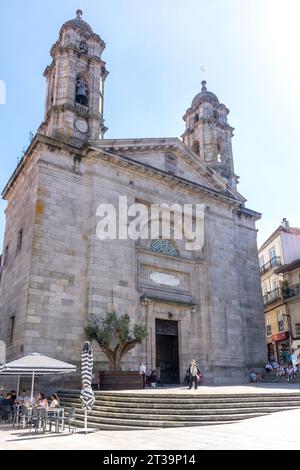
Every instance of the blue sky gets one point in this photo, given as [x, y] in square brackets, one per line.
[154, 53]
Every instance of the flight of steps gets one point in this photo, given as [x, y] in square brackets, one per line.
[135, 411]
[271, 378]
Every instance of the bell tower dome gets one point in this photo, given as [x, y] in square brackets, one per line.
[75, 85]
[209, 135]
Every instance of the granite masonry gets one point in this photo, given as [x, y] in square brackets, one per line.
[55, 270]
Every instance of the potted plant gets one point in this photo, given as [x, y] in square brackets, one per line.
[116, 338]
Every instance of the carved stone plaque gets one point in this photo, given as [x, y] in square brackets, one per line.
[165, 279]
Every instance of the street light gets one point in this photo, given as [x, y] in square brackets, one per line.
[144, 301]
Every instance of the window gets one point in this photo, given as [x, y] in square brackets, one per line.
[164, 246]
[20, 240]
[261, 261]
[196, 147]
[297, 328]
[272, 255]
[5, 257]
[220, 149]
[11, 328]
[82, 91]
[268, 324]
[280, 320]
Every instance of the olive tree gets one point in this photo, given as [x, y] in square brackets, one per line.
[114, 335]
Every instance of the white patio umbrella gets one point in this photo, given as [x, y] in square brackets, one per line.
[87, 397]
[34, 365]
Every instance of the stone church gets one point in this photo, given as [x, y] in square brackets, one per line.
[55, 271]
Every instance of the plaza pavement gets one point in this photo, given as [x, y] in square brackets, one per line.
[280, 430]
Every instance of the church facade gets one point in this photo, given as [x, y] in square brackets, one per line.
[204, 303]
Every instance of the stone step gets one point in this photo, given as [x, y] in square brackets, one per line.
[275, 380]
[178, 409]
[121, 427]
[182, 414]
[191, 411]
[182, 402]
[179, 404]
[107, 427]
[164, 421]
[143, 411]
[206, 406]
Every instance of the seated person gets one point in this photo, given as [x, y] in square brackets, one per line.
[7, 400]
[268, 367]
[153, 378]
[23, 399]
[54, 403]
[280, 371]
[290, 373]
[253, 376]
[13, 396]
[6, 407]
[41, 401]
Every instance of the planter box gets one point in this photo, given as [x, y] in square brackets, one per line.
[120, 380]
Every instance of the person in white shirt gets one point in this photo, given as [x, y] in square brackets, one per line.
[293, 359]
[23, 399]
[142, 371]
[54, 401]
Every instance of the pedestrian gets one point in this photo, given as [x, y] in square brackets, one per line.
[142, 371]
[293, 359]
[193, 369]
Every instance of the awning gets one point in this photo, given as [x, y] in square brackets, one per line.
[35, 364]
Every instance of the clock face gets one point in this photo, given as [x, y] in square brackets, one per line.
[82, 126]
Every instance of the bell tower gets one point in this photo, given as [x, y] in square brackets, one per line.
[209, 135]
[75, 85]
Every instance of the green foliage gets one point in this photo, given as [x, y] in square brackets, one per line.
[114, 335]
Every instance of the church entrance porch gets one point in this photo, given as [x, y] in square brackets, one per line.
[167, 357]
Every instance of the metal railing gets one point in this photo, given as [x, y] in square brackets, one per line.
[272, 296]
[281, 293]
[292, 291]
[273, 263]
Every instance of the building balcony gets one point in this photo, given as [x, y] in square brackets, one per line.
[281, 294]
[273, 263]
[272, 296]
[292, 291]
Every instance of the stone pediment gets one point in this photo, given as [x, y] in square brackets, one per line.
[169, 155]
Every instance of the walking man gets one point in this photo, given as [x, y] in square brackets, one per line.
[193, 374]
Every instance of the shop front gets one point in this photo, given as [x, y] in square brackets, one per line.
[281, 347]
